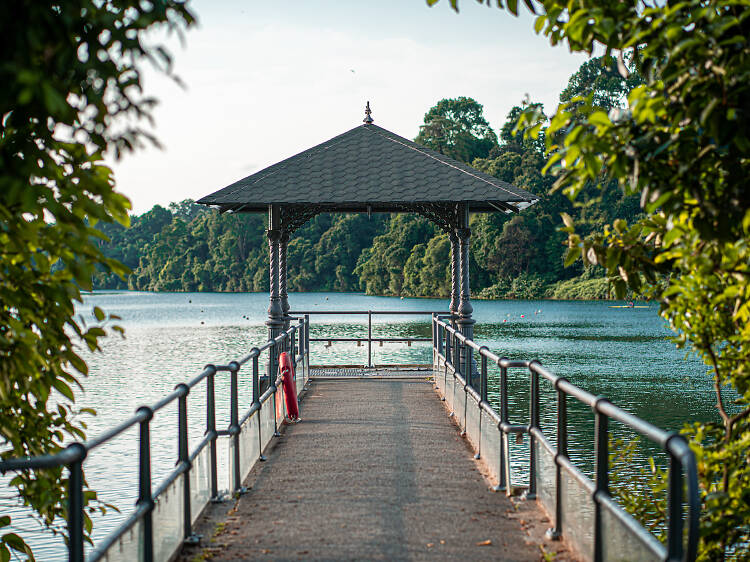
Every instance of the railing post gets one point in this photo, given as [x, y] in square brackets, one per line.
[256, 400]
[555, 533]
[301, 352]
[446, 361]
[272, 381]
[307, 347]
[183, 458]
[482, 396]
[601, 452]
[504, 484]
[75, 504]
[533, 423]
[456, 354]
[293, 347]
[369, 338]
[144, 484]
[467, 382]
[675, 549]
[483, 378]
[434, 339]
[234, 427]
[439, 337]
[448, 356]
[468, 353]
[211, 430]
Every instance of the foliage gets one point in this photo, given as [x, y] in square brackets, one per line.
[579, 288]
[381, 267]
[682, 145]
[641, 491]
[600, 77]
[457, 128]
[513, 256]
[524, 286]
[190, 248]
[71, 90]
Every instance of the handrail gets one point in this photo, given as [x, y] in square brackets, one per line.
[370, 313]
[373, 312]
[455, 351]
[295, 339]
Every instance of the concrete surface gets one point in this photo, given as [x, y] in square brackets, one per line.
[374, 471]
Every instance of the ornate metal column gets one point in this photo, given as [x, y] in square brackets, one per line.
[275, 320]
[455, 282]
[282, 277]
[465, 322]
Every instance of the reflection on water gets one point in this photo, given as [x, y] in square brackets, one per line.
[621, 353]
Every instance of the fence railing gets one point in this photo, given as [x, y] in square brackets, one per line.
[163, 518]
[583, 510]
[369, 339]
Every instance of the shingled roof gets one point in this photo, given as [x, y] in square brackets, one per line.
[369, 169]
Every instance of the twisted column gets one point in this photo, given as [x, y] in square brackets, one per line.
[465, 321]
[453, 307]
[282, 277]
[275, 311]
[275, 320]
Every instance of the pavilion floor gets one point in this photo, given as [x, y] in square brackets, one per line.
[374, 471]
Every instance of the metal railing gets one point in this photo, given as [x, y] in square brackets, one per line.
[369, 339]
[576, 502]
[259, 420]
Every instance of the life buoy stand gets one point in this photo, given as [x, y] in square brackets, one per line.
[286, 368]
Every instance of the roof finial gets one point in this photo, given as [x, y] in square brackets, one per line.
[368, 112]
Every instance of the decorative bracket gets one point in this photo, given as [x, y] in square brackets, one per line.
[294, 216]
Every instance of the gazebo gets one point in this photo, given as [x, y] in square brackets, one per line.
[369, 170]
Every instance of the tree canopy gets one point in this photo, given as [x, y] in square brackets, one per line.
[457, 128]
[71, 90]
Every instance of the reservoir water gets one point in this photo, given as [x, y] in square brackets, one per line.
[622, 353]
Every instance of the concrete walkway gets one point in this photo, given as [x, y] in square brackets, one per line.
[375, 471]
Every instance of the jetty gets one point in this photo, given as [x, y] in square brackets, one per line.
[374, 471]
[394, 462]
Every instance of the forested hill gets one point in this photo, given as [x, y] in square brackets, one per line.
[187, 247]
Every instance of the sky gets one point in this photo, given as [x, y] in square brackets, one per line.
[264, 80]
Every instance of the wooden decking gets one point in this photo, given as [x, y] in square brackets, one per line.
[374, 471]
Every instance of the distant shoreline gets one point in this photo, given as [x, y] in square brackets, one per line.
[359, 294]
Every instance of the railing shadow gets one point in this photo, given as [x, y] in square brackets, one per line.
[583, 510]
[163, 519]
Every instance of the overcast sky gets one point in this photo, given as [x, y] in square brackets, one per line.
[267, 79]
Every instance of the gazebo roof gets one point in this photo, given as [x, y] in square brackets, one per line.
[369, 169]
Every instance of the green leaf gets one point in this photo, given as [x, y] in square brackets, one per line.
[15, 542]
[63, 388]
[99, 314]
[600, 119]
[539, 23]
[707, 110]
[572, 255]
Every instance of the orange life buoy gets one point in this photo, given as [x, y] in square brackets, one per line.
[290, 387]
